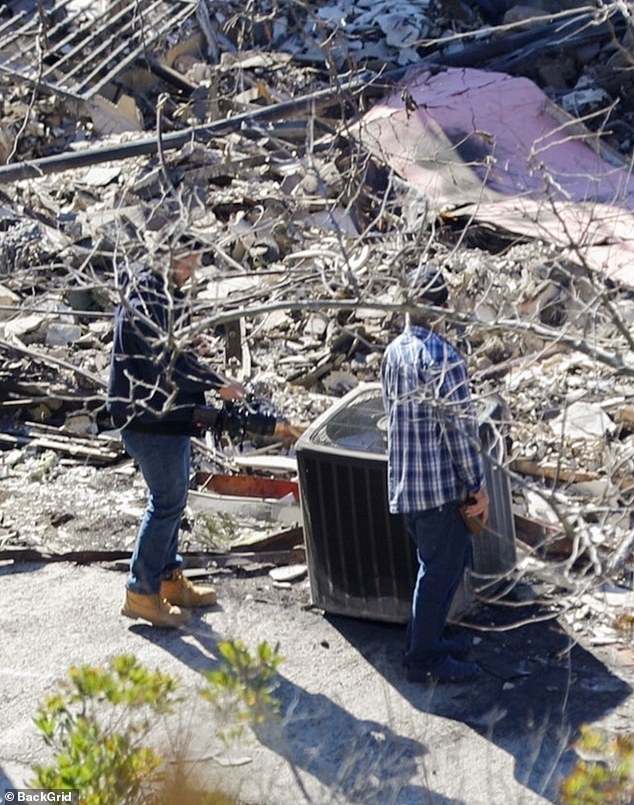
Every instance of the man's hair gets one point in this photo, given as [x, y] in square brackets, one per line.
[427, 284]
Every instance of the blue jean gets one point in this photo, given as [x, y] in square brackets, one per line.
[164, 462]
[443, 547]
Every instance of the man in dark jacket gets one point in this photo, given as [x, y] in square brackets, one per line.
[155, 384]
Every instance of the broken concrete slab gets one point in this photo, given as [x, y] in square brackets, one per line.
[284, 511]
[583, 420]
[8, 299]
[289, 573]
[316, 326]
[101, 175]
[115, 118]
[59, 334]
[28, 329]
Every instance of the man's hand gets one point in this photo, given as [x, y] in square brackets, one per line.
[286, 432]
[232, 391]
[480, 506]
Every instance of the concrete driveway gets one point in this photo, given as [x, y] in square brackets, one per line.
[353, 731]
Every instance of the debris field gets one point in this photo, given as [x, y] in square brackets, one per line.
[310, 156]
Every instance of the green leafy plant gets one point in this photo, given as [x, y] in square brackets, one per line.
[241, 690]
[96, 723]
[98, 719]
[606, 776]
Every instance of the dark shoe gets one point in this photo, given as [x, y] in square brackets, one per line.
[459, 646]
[447, 670]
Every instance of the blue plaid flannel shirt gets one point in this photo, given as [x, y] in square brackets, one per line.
[433, 444]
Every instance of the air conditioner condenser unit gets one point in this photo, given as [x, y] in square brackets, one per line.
[361, 562]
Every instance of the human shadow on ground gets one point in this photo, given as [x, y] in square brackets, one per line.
[359, 760]
[21, 567]
[5, 782]
[535, 694]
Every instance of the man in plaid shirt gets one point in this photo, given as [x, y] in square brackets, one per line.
[434, 466]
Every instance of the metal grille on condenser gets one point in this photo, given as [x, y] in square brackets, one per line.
[75, 53]
[360, 553]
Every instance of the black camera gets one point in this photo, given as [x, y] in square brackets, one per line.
[237, 419]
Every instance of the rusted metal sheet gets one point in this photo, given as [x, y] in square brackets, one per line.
[247, 486]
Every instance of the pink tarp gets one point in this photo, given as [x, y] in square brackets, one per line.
[490, 145]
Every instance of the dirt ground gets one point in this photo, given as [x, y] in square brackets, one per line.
[353, 730]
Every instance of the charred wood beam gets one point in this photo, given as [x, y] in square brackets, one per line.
[171, 76]
[192, 558]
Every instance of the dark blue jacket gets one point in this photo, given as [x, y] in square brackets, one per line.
[154, 384]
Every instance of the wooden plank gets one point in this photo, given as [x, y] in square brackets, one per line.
[284, 540]
[281, 557]
[73, 449]
[625, 416]
[547, 539]
[38, 427]
[552, 472]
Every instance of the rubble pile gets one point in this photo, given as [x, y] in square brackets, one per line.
[306, 236]
[340, 32]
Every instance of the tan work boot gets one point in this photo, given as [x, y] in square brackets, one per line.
[153, 608]
[180, 591]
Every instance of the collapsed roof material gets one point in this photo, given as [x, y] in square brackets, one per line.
[493, 147]
[75, 52]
